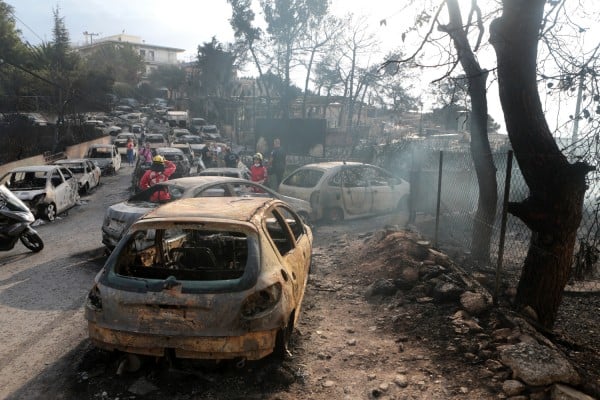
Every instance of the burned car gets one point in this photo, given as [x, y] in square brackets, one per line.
[156, 140]
[47, 190]
[341, 190]
[86, 172]
[204, 279]
[225, 171]
[178, 157]
[120, 216]
[106, 156]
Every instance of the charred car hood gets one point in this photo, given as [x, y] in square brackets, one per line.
[130, 212]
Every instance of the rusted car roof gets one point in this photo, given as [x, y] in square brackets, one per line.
[234, 208]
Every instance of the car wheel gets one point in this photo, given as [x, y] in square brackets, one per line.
[85, 189]
[49, 212]
[335, 214]
[32, 241]
[282, 341]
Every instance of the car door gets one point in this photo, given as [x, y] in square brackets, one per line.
[59, 188]
[356, 192]
[116, 158]
[382, 189]
[90, 172]
[71, 187]
[288, 235]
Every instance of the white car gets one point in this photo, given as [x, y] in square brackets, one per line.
[105, 156]
[47, 190]
[344, 190]
[86, 172]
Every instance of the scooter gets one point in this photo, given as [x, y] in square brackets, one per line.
[15, 221]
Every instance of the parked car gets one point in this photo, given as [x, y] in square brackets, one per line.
[105, 156]
[48, 190]
[224, 171]
[344, 190]
[120, 216]
[205, 279]
[178, 157]
[211, 132]
[121, 143]
[156, 140]
[86, 172]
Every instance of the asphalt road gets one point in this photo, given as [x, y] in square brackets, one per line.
[42, 295]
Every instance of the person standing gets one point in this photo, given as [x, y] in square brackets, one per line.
[231, 159]
[160, 171]
[277, 163]
[146, 154]
[258, 172]
[130, 157]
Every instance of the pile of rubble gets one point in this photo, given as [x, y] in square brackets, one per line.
[519, 362]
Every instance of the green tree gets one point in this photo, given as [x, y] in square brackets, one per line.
[120, 61]
[170, 76]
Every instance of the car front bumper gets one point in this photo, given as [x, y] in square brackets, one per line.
[251, 345]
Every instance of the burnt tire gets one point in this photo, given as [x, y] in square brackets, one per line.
[334, 214]
[85, 189]
[48, 212]
[32, 241]
[282, 340]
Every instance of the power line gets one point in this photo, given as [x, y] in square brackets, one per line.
[25, 25]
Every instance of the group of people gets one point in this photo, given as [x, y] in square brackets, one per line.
[161, 169]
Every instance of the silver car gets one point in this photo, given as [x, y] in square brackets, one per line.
[119, 217]
[86, 172]
[344, 190]
[47, 190]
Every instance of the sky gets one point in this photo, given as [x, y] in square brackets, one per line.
[185, 24]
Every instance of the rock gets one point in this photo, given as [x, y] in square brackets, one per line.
[501, 334]
[371, 377]
[422, 300]
[142, 387]
[483, 279]
[351, 342]
[428, 272]
[538, 365]
[401, 380]
[513, 387]
[474, 303]
[493, 365]
[446, 292]
[381, 288]
[563, 392]
[384, 387]
[328, 383]
[407, 279]
[439, 258]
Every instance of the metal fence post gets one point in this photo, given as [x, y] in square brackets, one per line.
[439, 199]
[509, 158]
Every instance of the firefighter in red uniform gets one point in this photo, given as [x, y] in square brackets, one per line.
[159, 172]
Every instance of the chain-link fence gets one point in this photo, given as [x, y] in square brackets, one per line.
[446, 193]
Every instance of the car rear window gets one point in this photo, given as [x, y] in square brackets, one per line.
[185, 254]
[306, 178]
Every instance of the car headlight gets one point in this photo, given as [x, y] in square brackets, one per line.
[94, 299]
[261, 302]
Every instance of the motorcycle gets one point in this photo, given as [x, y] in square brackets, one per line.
[15, 221]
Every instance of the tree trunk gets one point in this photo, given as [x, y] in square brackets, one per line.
[480, 145]
[556, 188]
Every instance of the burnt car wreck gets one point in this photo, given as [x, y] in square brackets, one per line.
[204, 279]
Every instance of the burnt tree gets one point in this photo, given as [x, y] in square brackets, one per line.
[480, 144]
[553, 209]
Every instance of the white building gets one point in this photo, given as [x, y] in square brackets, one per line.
[153, 55]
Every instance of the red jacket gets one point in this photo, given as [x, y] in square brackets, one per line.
[151, 178]
[258, 173]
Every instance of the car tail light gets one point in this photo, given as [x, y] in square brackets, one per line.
[260, 302]
[94, 299]
[314, 199]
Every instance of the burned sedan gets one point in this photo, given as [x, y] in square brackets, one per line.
[120, 216]
[206, 278]
[47, 190]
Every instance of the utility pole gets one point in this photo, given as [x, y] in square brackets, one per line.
[90, 35]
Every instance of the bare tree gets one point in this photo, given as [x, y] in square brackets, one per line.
[553, 209]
